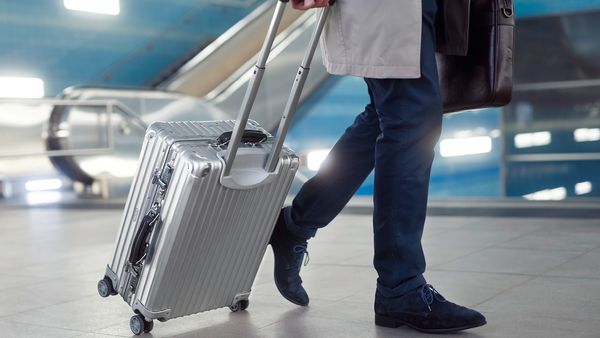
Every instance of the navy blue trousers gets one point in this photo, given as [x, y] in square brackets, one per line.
[395, 135]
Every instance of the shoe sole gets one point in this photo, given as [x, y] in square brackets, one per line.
[385, 321]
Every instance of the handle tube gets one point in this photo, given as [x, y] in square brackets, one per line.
[294, 98]
[252, 91]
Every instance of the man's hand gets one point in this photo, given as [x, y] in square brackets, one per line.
[307, 4]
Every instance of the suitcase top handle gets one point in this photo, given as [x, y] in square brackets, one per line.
[249, 136]
[331, 2]
[252, 90]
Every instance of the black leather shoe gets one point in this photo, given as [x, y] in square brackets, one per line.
[289, 251]
[426, 310]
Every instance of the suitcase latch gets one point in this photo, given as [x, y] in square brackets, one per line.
[163, 179]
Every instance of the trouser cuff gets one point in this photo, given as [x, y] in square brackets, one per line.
[401, 289]
[304, 233]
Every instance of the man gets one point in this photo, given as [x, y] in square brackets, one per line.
[391, 44]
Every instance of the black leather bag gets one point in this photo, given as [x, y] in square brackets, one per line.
[483, 77]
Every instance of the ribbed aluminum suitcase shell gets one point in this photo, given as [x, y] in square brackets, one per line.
[205, 251]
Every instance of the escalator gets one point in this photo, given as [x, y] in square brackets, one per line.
[210, 86]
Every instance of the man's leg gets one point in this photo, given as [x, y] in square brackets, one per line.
[346, 167]
[410, 114]
[321, 199]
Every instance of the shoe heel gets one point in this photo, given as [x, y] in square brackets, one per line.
[386, 321]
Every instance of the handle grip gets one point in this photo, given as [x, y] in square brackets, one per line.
[331, 2]
[249, 136]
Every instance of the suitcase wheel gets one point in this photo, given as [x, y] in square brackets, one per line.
[105, 287]
[240, 305]
[139, 325]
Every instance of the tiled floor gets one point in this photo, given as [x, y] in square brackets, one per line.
[530, 277]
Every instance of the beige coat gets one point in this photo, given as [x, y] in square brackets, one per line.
[373, 38]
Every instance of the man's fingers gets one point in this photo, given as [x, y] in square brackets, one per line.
[321, 3]
[307, 4]
[298, 4]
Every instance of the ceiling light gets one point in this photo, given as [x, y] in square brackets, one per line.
[453, 147]
[583, 188]
[528, 140]
[21, 87]
[42, 197]
[39, 185]
[108, 7]
[555, 194]
[586, 134]
[495, 133]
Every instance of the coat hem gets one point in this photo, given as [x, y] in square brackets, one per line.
[374, 72]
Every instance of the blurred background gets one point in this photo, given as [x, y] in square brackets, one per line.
[80, 81]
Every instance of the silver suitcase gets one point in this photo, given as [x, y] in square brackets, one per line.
[202, 207]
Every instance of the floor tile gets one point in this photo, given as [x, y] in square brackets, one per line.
[99, 335]
[29, 330]
[511, 261]
[471, 239]
[298, 325]
[18, 300]
[586, 266]
[519, 325]
[438, 255]
[556, 240]
[557, 297]
[512, 224]
[454, 222]
[85, 314]
[11, 281]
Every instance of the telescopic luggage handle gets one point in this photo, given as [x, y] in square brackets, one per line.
[254, 85]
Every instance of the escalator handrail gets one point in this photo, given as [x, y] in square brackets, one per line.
[241, 76]
[221, 40]
[226, 54]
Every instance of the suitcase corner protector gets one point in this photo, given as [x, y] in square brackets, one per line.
[113, 276]
[241, 296]
[162, 315]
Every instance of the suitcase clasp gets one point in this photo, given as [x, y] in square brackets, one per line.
[163, 179]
